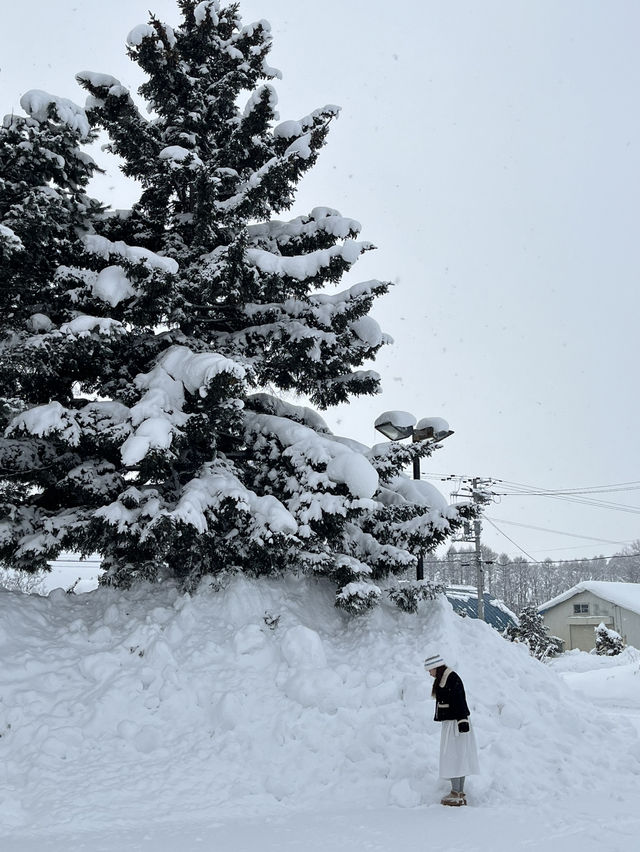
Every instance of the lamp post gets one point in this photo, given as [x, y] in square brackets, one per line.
[397, 425]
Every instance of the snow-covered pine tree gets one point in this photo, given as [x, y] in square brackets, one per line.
[44, 210]
[608, 642]
[151, 438]
[531, 631]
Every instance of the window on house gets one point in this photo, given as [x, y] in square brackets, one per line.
[580, 608]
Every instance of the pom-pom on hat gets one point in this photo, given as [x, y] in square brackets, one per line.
[433, 661]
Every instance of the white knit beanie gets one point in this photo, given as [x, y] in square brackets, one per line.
[433, 661]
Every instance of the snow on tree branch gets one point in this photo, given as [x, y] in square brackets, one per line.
[107, 249]
[159, 415]
[215, 484]
[308, 265]
[39, 105]
[341, 464]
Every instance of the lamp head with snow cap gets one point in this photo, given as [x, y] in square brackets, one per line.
[433, 662]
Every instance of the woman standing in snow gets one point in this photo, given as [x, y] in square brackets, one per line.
[458, 751]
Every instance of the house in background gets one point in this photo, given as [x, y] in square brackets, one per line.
[464, 600]
[574, 615]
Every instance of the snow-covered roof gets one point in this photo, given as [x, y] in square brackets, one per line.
[626, 595]
[464, 600]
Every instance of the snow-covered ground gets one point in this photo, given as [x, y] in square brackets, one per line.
[259, 717]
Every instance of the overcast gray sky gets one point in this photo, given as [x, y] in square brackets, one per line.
[491, 151]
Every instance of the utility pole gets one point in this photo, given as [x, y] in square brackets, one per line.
[477, 490]
[477, 529]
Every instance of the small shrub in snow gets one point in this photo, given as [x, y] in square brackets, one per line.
[608, 642]
[272, 621]
[406, 595]
[357, 598]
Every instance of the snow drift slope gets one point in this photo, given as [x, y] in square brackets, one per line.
[148, 706]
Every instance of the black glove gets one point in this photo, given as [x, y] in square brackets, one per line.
[463, 726]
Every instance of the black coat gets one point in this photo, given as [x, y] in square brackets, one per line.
[451, 702]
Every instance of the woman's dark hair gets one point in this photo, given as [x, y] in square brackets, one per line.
[436, 680]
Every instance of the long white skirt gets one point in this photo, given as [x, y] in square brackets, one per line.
[458, 752]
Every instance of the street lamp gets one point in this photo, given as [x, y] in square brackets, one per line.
[397, 425]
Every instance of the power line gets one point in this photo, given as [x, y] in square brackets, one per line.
[590, 559]
[576, 495]
[552, 562]
[574, 547]
[632, 485]
[560, 532]
[573, 497]
[454, 562]
[519, 488]
[635, 483]
[528, 555]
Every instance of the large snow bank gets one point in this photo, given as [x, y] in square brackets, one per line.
[605, 680]
[119, 709]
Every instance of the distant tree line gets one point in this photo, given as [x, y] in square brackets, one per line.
[520, 583]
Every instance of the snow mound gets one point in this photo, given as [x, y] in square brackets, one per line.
[127, 707]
